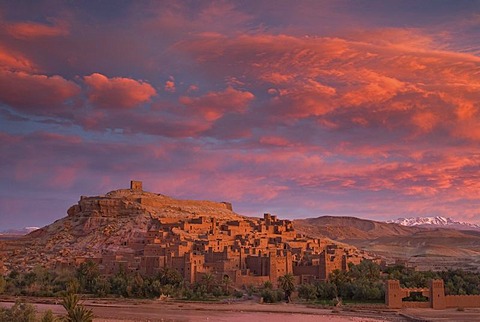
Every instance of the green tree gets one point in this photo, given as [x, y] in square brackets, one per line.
[136, 286]
[3, 284]
[170, 276]
[101, 286]
[365, 270]
[287, 284]
[340, 280]
[87, 272]
[325, 290]
[119, 284]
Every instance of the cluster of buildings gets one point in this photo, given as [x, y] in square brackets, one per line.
[249, 251]
[186, 237]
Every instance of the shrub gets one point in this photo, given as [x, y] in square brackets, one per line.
[238, 294]
[272, 296]
[19, 312]
[307, 292]
[48, 317]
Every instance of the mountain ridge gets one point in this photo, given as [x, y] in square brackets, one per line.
[435, 222]
[424, 246]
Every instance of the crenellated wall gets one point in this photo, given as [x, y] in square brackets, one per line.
[436, 294]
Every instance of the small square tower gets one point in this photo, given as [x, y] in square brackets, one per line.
[136, 185]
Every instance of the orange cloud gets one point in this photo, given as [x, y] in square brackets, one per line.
[117, 92]
[214, 105]
[372, 88]
[38, 94]
[425, 121]
[389, 78]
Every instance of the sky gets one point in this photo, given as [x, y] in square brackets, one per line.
[297, 108]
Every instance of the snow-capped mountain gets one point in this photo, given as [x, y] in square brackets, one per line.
[435, 222]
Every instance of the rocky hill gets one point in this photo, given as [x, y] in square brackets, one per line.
[106, 223]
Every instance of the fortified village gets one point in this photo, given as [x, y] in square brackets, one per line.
[139, 231]
[250, 251]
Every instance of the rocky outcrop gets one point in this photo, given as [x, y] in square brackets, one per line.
[106, 223]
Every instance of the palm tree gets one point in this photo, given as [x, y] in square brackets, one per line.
[208, 280]
[287, 284]
[268, 285]
[226, 282]
[86, 274]
[75, 311]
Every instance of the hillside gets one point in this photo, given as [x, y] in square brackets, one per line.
[106, 223]
[351, 228]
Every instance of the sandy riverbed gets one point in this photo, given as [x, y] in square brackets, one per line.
[250, 311]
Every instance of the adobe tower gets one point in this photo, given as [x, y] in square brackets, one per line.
[136, 185]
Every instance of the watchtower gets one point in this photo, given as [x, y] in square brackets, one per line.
[393, 294]
[437, 295]
[136, 185]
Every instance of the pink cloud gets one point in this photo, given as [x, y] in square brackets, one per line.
[214, 105]
[361, 123]
[395, 79]
[117, 92]
[28, 30]
[65, 176]
[14, 61]
[274, 140]
[216, 17]
[170, 86]
[37, 94]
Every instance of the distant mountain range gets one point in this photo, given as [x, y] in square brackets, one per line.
[423, 244]
[18, 232]
[435, 222]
